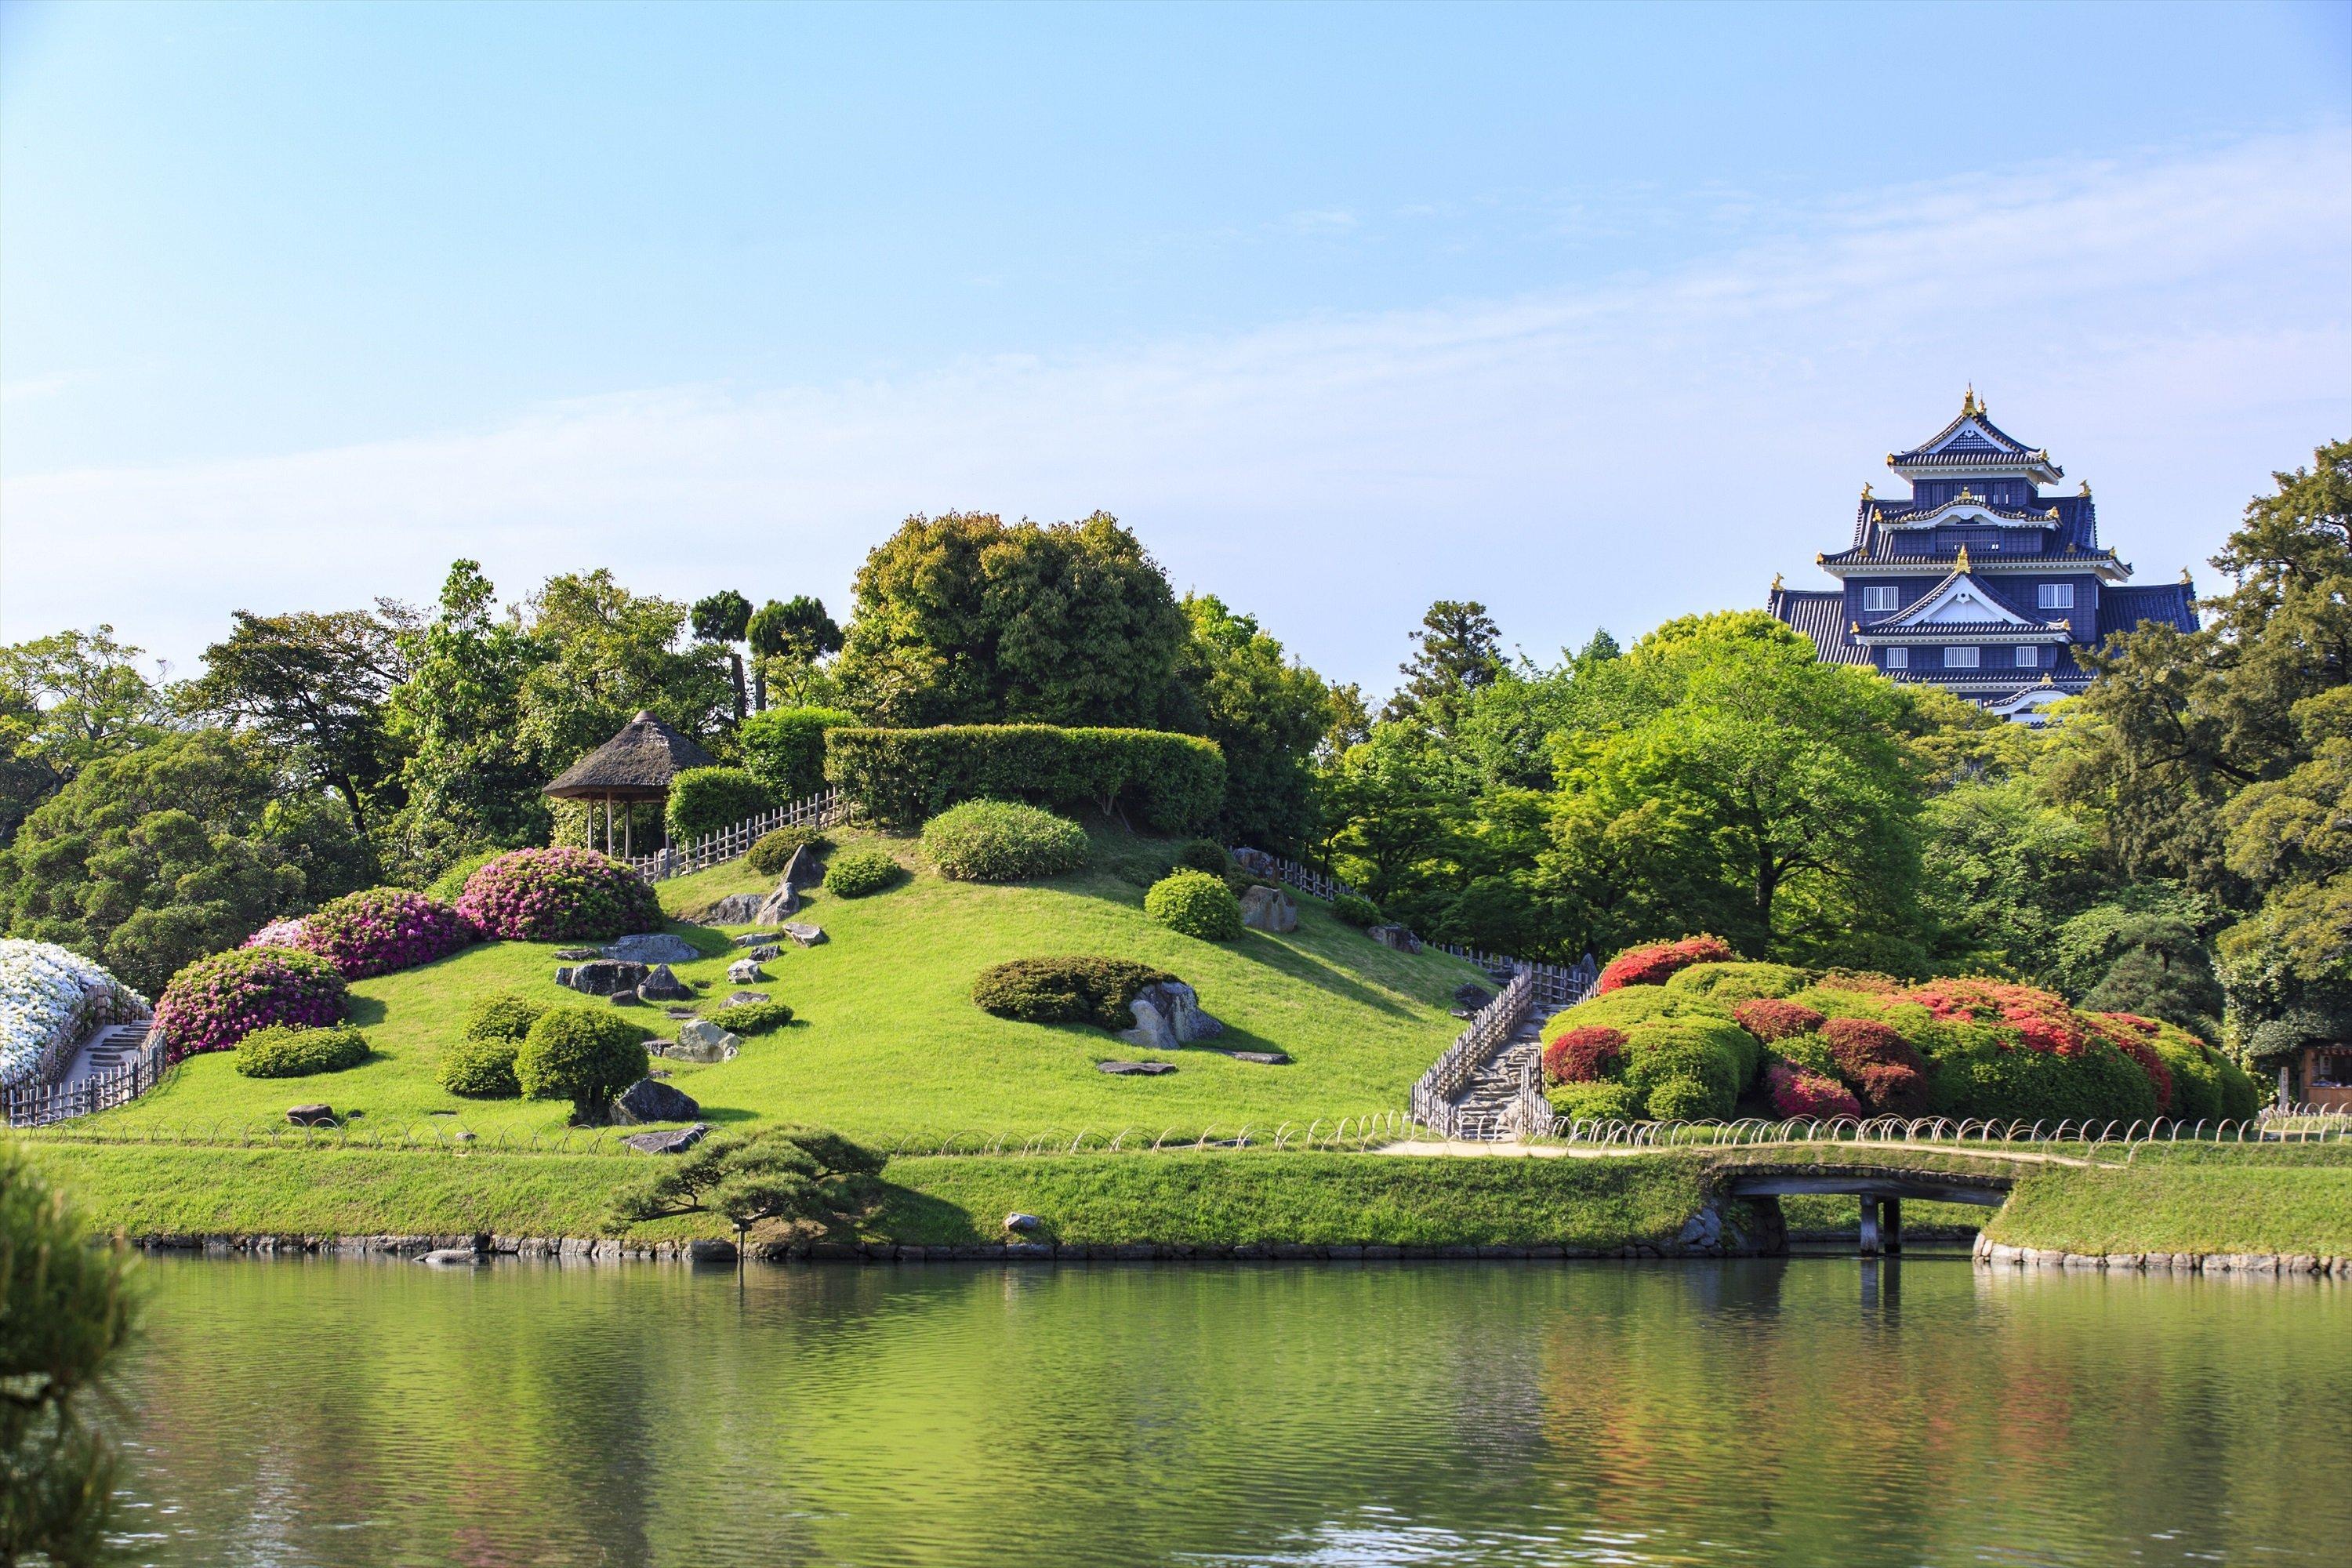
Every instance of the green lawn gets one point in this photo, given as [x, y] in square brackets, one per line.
[2185, 1206]
[887, 1041]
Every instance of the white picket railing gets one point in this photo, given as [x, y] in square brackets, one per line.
[826, 808]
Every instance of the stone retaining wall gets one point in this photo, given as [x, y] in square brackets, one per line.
[1995, 1254]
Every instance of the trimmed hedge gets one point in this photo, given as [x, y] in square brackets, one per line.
[450, 885]
[480, 1067]
[1356, 909]
[283, 1051]
[903, 776]
[1206, 855]
[504, 1015]
[1657, 962]
[1078, 989]
[215, 1001]
[559, 894]
[2206, 1086]
[1585, 1055]
[752, 1017]
[1195, 904]
[862, 871]
[584, 1055]
[771, 852]
[784, 748]
[1735, 982]
[703, 801]
[1001, 841]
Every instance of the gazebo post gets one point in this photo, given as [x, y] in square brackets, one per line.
[608, 824]
[628, 827]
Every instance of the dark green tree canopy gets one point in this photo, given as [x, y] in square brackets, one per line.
[65, 701]
[723, 616]
[1457, 650]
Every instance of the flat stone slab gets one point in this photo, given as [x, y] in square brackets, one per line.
[577, 954]
[675, 1141]
[734, 910]
[1136, 1069]
[762, 953]
[805, 935]
[743, 998]
[452, 1258]
[1269, 1058]
[652, 947]
[757, 938]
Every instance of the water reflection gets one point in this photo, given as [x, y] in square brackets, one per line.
[1811, 1411]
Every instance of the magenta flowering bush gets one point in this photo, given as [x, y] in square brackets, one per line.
[556, 894]
[1797, 1092]
[215, 1001]
[382, 930]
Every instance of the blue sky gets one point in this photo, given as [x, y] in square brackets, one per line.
[1600, 315]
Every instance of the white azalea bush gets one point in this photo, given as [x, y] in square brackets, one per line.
[49, 998]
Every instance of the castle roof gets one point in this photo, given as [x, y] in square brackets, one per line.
[2170, 605]
[1974, 443]
[1821, 616]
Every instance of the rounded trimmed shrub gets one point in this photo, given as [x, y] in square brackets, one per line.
[280, 1051]
[1204, 855]
[450, 885]
[1770, 1018]
[1595, 1102]
[771, 852]
[1585, 1055]
[1879, 1065]
[1740, 982]
[2206, 1086]
[558, 894]
[503, 1015]
[858, 872]
[1681, 1099]
[382, 929]
[752, 1017]
[480, 1067]
[2036, 1019]
[1657, 962]
[1356, 909]
[1801, 1092]
[1078, 989]
[1713, 1053]
[1196, 904]
[215, 1001]
[1002, 841]
[703, 801]
[584, 1055]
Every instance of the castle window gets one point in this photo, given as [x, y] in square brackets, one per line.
[1898, 659]
[1880, 598]
[2026, 656]
[1960, 658]
[2054, 596]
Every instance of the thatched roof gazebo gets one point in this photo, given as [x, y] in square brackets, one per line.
[636, 765]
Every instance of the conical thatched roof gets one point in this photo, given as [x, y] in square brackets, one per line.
[636, 764]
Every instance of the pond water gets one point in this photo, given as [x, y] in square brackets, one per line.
[1811, 1411]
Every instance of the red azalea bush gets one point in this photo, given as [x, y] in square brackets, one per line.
[1653, 964]
[2042, 1022]
[1583, 1055]
[215, 1001]
[1798, 1093]
[2135, 1036]
[1769, 1018]
[384, 929]
[558, 894]
[1891, 1076]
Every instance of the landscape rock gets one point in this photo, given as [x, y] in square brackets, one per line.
[757, 938]
[310, 1115]
[650, 1100]
[671, 1140]
[702, 1041]
[743, 998]
[1167, 1015]
[804, 870]
[1472, 995]
[1017, 1221]
[743, 970]
[661, 985]
[1136, 1069]
[603, 977]
[766, 952]
[452, 1256]
[623, 998]
[804, 935]
[1269, 910]
[1256, 862]
[782, 904]
[652, 947]
[1268, 1058]
[576, 954]
[1395, 936]
[734, 910]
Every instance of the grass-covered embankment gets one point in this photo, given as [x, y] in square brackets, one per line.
[2183, 1207]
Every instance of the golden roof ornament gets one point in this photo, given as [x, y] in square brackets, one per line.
[1854, 628]
[1865, 492]
[1776, 582]
[1818, 558]
[1970, 406]
[1963, 563]
[2186, 580]
[2085, 492]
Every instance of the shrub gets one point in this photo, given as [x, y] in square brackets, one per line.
[703, 801]
[752, 1017]
[771, 852]
[1080, 989]
[558, 894]
[1001, 841]
[1656, 964]
[280, 1051]
[2041, 1021]
[1681, 1098]
[502, 1016]
[1206, 855]
[1356, 909]
[862, 871]
[1594, 1102]
[291, 932]
[1797, 1091]
[899, 776]
[784, 747]
[1879, 1064]
[2206, 1085]
[384, 929]
[1196, 904]
[450, 885]
[1738, 981]
[1769, 1018]
[1585, 1055]
[1623, 1009]
[480, 1067]
[215, 1001]
[586, 1055]
[1713, 1053]
[1981, 1071]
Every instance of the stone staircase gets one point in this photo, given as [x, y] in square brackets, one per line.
[1494, 1089]
[106, 1051]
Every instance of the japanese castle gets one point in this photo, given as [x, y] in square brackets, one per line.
[1978, 582]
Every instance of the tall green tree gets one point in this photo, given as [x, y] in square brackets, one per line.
[725, 618]
[609, 654]
[1458, 649]
[66, 701]
[1234, 684]
[790, 640]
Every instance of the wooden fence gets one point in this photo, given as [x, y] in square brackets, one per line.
[1432, 1100]
[38, 1104]
[826, 808]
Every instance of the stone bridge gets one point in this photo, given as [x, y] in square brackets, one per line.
[1881, 1188]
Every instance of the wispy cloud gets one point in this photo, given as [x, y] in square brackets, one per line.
[2173, 327]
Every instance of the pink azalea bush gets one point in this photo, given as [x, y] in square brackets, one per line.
[384, 929]
[215, 1001]
[292, 931]
[1799, 1093]
[558, 894]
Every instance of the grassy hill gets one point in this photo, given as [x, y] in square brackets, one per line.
[887, 1040]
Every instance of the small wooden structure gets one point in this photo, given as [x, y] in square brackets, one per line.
[637, 764]
[2327, 1075]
